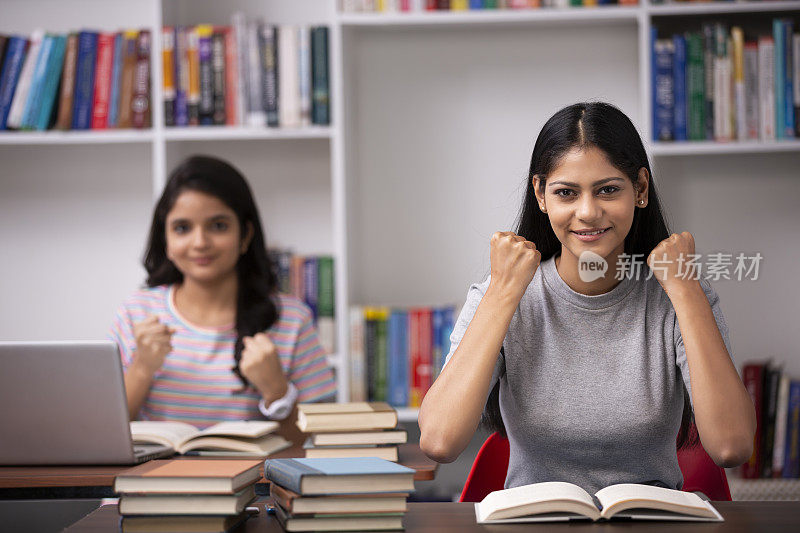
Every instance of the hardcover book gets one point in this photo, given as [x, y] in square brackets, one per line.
[358, 475]
[250, 437]
[559, 501]
[338, 417]
[190, 476]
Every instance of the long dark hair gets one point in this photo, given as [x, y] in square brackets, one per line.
[256, 306]
[583, 125]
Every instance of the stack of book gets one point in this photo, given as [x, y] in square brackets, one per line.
[363, 493]
[249, 437]
[406, 6]
[357, 429]
[186, 495]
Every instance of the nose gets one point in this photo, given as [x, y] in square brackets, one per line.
[588, 208]
[199, 238]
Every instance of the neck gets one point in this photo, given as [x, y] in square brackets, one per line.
[567, 267]
[208, 299]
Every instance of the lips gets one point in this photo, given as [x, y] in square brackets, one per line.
[202, 260]
[590, 231]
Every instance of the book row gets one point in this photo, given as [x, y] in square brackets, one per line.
[310, 279]
[726, 84]
[249, 73]
[396, 354]
[350, 6]
[76, 81]
[776, 396]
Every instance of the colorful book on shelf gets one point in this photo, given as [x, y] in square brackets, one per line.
[251, 437]
[289, 76]
[218, 80]
[296, 504]
[320, 112]
[116, 78]
[781, 415]
[84, 80]
[168, 73]
[102, 76]
[140, 103]
[679, 84]
[9, 76]
[772, 376]
[17, 109]
[205, 107]
[753, 379]
[559, 501]
[189, 476]
[186, 504]
[339, 417]
[358, 363]
[791, 468]
[44, 115]
[33, 100]
[358, 475]
[397, 394]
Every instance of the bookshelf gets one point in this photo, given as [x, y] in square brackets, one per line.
[415, 99]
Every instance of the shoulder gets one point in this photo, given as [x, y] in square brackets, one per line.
[293, 311]
[146, 299]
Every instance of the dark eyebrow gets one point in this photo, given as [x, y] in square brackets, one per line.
[220, 216]
[596, 183]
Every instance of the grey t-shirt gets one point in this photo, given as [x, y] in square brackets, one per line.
[591, 387]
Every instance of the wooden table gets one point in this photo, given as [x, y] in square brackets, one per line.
[771, 517]
[97, 481]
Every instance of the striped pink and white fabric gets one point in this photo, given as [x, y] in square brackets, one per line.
[196, 384]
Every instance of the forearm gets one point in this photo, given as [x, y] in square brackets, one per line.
[724, 412]
[137, 385]
[452, 407]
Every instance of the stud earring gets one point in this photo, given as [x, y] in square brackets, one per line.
[641, 202]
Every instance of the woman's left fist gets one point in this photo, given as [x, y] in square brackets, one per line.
[261, 366]
[669, 262]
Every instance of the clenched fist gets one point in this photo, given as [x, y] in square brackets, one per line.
[153, 343]
[261, 366]
[514, 261]
[668, 261]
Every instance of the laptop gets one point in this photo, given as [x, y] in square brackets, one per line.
[63, 403]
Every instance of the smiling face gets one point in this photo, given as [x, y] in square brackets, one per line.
[203, 238]
[586, 193]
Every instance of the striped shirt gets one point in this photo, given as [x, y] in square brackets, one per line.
[196, 383]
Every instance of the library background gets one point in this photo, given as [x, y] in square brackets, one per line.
[399, 144]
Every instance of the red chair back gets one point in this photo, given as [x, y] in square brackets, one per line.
[488, 472]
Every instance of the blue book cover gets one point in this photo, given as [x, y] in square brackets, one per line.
[398, 358]
[84, 81]
[679, 77]
[32, 103]
[788, 69]
[664, 90]
[54, 68]
[447, 329]
[311, 284]
[653, 115]
[290, 473]
[791, 461]
[780, 82]
[476, 4]
[116, 76]
[12, 66]
[436, 336]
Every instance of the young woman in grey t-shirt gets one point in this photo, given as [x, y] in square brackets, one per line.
[588, 374]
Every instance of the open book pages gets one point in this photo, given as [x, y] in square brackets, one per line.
[250, 436]
[538, 498]
[643, 498]
[556, 500]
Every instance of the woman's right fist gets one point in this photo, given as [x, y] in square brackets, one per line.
[153, 342]
[514, 261]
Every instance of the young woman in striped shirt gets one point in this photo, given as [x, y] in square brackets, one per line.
[210, 338]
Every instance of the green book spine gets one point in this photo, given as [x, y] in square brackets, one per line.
[381, 354]
[696, 86]
[326, 302]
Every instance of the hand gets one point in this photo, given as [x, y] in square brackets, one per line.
[261, 366]
[153, 343]
[672, 255]
[514, 262]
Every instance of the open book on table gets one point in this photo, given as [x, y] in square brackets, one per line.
[556, 501]
[249, 437]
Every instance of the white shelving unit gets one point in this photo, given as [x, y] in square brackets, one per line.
[331, 189]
